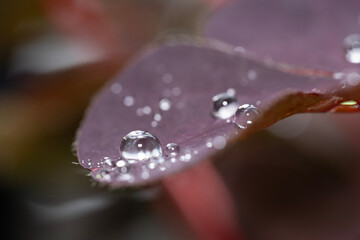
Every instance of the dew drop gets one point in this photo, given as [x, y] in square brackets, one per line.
[219, 142]
[172, 149]
[224, 105]
[154, 124]
[140, 145]
[129, 101]
[176, 91]
[245, 115]
[157, 117]
[352, 48]
[116, 88]
[165, 104]
[167, 78]
[252, 75]
[231, 92]
[147, 110]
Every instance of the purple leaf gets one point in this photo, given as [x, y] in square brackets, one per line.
[189, 75]
[300, 32]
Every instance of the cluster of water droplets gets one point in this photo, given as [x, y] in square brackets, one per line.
[139, 151]
[226, 107]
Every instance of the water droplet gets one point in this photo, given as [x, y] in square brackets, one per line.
[147, 110]
[245, 115]
[209, 143]
[352, 48]
[140, 145]
[145, 173]
[123, 165]
[219, 142]
[176, 91]
[167, 78]
[154, 124]
[129, 101]
[224, 105]
[258, 102]
[139, 112]
[157, 117]
[152, 165]
[172, 149]
[252, 75]
[353, 78]
[231, 92]
[165, 104]
[116, 88]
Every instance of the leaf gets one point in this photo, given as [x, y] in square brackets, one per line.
[301, 32]
[198, 70]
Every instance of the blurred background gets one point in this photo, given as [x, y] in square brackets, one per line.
[296, 180]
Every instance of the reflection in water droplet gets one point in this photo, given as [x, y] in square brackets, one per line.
[165, 104]
[172, 149]
[219, 142]
[352, 48]
[129, 101]
[224, 105]
[140, 145]
[245, 115]
[209, 144]
[116, 88]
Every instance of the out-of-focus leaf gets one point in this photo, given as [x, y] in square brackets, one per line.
[299, 32]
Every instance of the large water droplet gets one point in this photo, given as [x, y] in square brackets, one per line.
[140, 145]
[245, 115]
[224, 105]
[352, 48]
[172, 149]
[165, 104]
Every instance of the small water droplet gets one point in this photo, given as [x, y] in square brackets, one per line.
[139, 112]
[173, 160]
[147, 110]
[209, 144]
[165, 104]
[140, 145]
[353, 79]
[245, 115]
[219, 142]
[352, 48]
[231, 92]
[154, 124]
[252, 75]
[157, 117]
[167, 78]
[152, 165]
[116, 88]
[129, 101]
[172, 149]
[176, 91]
[258, 102]
[224, 105]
